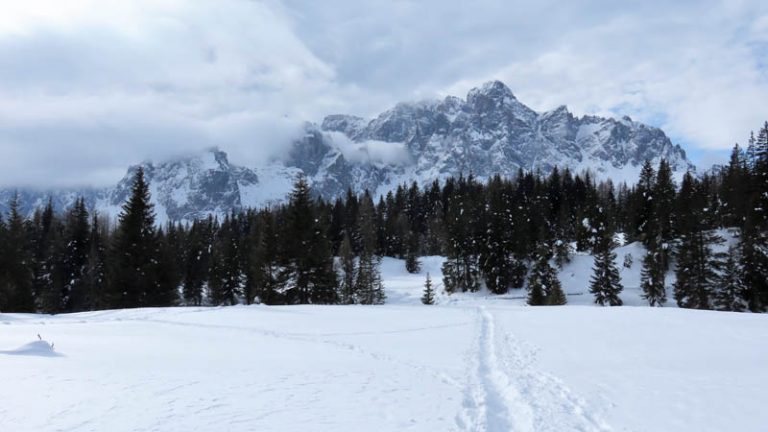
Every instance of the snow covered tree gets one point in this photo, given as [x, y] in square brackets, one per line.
[652, 276]
[429, 293]
[166, 268]
[16, 275]
[197, 254]
[76, 236]
[347, 260]
[132, 262]
[95, 275]
[368, 285]
[644, 223]
[663, 197]
[605, 283]
[697, 270]
[312, 276]
[412, 263]
[731, 293]
[543, 285]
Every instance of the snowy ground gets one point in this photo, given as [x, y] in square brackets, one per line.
[468, 364]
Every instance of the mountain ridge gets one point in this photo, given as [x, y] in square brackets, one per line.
[489, 132]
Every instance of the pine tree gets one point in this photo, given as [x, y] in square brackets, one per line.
[543, 285]
[496, 263]
[645, 227]
[652, 276]
[300, 230]
[77, 232]
[429, 293]
[17, 276]
[347, 260]
[232, 276]
[132, 263]
[167, 274]
[43, 259]
[95, 276]
[663, 197]
[697, 270]
[731, 294]
[605, 283]
[196, 260]
[412, 263]
[368, 286]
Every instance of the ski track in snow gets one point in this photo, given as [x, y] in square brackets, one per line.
[504, 392]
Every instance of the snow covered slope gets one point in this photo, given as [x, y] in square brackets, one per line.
[469, 363]
[490, 132]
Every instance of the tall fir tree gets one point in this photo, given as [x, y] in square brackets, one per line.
[663, 199]
[133, 249]
[349, 271]
[95, 276]
[428, 298]
[652, 276]
[77, 232]
[731, 293]
[543, 285]
[644, 224]
[605, 283]
[17, 272]
[368, 284]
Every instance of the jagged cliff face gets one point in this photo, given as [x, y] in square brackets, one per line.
[490, 132]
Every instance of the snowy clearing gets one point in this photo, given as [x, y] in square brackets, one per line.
[471, 363]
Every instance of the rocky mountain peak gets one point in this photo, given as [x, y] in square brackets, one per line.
[490, 132]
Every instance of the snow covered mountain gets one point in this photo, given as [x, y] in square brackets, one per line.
[487, 133]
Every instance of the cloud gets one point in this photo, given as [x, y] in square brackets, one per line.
[88, 87]
[378, 152]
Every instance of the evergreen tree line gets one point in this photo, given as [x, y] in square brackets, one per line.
[503, 234]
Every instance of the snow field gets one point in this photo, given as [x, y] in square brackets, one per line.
[473, 362]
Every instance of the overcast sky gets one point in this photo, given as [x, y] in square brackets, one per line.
[88, 87]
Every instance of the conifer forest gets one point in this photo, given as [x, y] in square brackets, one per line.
[505, 234]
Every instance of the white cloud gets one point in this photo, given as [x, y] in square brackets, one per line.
[371, 150]
[90, 86]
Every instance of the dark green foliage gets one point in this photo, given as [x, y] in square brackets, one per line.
[16, 275]
[698, 268]
[543, 285]
[731, 293]
[312, 276]
[652, 280]
[349, 271]
[428, 298]
[311, 251]
[132, 266]
[605, 283]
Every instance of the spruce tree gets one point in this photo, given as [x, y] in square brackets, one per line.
[663, 197]
[45, 241]
[95, 277]
[698, 268]
[17, 271]
[731, 293]
[347, 261]
[644, 224]
[428, 298]
[77, 232]
[543, 285]
[196, 260]
[167, 275]
[133, 249]
[652, 276]
[368, 285]
[412, 263]
[698, 265]
[300, 234]
[605, 283]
